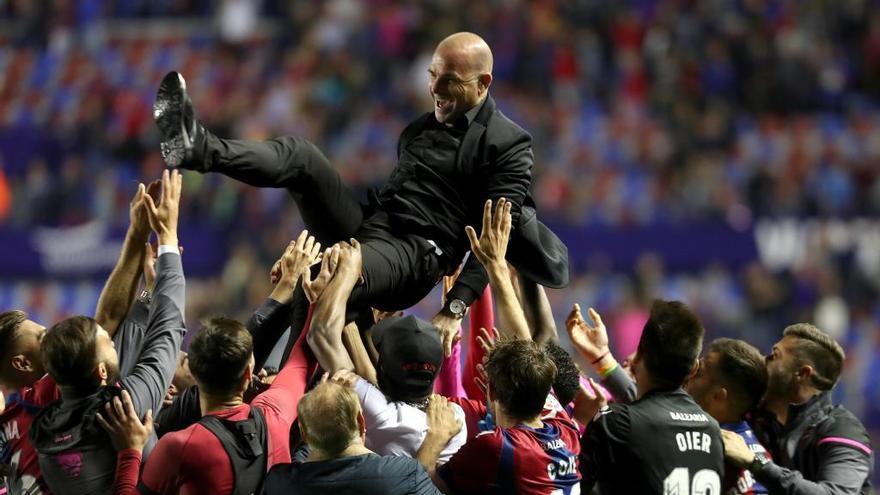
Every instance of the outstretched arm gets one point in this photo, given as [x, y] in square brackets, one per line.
[290, 384]
[843, 467]
[357, 351]
[271, 319]
[121, 286]
[591, 341]
[490, 248]
[152, 375]
[328, 320]
[442, 427]
[539, 313]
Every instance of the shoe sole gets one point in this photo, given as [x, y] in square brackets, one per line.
[168, 112]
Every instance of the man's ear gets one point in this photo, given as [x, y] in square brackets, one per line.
[805, 374]
[247, 375]
[720, 394]
[20, 362]
[484, 81]
[101, 371]
[362, 423]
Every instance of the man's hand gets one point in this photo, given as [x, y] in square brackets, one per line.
[590, 340]
[296, 260]
[314, 288]
[163, 218]
[350, 260]
[122, 423]
[442, 422]
[491, 247]
[735, 449]
[450, 330]
[442, 426]
[139, 221]
[487, 343]
[588, 402]
[346, 378]
[379, 315]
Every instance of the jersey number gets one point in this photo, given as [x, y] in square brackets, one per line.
[704, 482]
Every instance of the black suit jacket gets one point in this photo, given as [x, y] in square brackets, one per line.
[497, 154]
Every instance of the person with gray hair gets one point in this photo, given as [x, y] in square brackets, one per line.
[332, 424]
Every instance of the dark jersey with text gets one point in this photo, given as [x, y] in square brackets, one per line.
[663, 443]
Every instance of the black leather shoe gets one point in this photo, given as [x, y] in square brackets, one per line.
[182, 134]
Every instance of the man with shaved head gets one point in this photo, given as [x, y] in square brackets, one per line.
[451, 161]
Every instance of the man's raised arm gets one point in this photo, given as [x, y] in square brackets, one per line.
[591, 341]
[271, 319]
[490, 249]
[509, 179]
[119, 290]
[165, 327]
[328, 319]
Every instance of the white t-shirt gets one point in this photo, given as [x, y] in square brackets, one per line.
[397, 428]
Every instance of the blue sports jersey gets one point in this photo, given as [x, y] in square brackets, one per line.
[739, 481]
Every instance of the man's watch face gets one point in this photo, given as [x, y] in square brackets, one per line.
[457, 307]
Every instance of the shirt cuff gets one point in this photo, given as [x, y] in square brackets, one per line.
[464, 293]
[269, 307]
[167, 248]
[769, 474]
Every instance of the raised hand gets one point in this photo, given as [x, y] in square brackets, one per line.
[295, 262]
[346, 378]
[314, 288]
[441, 419]
[163, 217]
[491, 246]
[588, 402]
[350, 260]
[487, 342]
[442, 426]
[139, 221]
[591, 340]
[449, 328]
[298, 257]
[123, 424]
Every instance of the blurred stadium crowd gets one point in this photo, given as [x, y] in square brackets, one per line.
[644, 113]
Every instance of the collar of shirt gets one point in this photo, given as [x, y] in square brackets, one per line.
[808, 409]
[463, 122]
[472, 113]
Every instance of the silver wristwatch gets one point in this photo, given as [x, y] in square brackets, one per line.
[457, 308]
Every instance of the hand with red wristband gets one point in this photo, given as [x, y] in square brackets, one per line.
[590, 339]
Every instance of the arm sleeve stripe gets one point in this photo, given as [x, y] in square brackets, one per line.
[846, 441]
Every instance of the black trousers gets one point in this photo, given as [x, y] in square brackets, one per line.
[399, 268]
